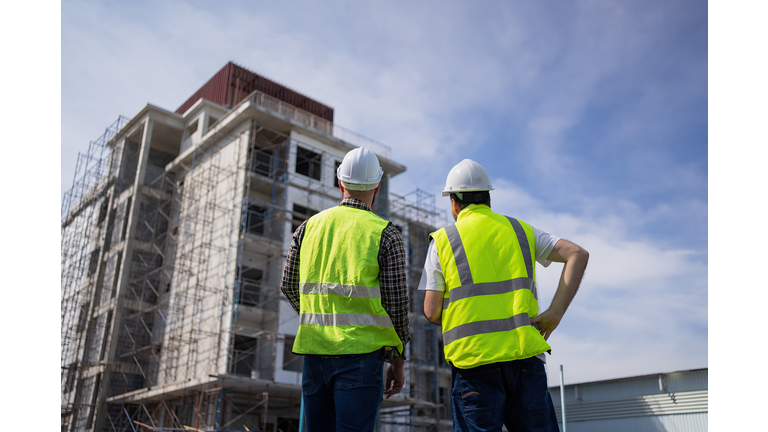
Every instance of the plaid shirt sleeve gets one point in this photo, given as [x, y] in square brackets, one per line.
[290, 282]
[394, 291]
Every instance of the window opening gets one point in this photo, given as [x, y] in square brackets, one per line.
[336, 166]
[308, 163]
[244, 355]
[262, 162]
[255, 219]
[250, 285]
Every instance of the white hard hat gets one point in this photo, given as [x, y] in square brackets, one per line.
[467, 176]
[360, 170]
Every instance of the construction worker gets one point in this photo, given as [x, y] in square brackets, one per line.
[480, 285]
[345, 277]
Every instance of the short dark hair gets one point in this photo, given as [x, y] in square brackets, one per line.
[467, 198]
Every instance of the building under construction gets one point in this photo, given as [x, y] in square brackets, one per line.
[173, 241]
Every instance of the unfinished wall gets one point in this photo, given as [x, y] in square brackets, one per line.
[209, 206]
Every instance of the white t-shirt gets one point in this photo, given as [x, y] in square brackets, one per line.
[432, 277]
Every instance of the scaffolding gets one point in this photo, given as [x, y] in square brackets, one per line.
[177, 292]
[426, 393]
[171, 269]
[85, 208]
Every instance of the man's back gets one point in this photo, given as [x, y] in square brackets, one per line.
[490, 293]
[341, 310]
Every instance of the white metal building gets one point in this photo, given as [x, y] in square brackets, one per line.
[664, 402]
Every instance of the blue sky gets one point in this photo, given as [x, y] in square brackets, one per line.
[591, 118]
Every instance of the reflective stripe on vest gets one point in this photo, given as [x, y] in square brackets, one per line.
[486, 320]
[340, 289]
[491, 326]
[469, 288]
[489, 288]
[345, 319]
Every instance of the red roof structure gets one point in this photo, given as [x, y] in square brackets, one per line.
[233, 83]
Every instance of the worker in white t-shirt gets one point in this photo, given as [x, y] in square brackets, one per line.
[480, 285]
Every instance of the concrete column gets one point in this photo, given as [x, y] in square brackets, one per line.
[117, 317]
[229, 311]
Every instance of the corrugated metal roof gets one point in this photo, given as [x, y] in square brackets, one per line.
[233, 83]
[671, 382]
[215, 90]
[677, 423]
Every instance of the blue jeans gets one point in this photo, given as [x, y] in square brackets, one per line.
[513, 393]
[343, 394]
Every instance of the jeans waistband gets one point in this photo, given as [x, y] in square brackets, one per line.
[343, 355]
[493, 365]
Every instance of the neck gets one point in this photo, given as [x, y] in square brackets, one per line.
[366, 198]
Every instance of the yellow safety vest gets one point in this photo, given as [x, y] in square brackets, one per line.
[487, 260]
[341, 311]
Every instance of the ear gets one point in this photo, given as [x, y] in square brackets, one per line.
[376, 191]
[454, 207]
[341, 188]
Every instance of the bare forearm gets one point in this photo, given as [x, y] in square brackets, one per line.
[433, 306]
[575, 259]
[570, 279]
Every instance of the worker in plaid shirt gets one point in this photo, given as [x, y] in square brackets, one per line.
[345, 277]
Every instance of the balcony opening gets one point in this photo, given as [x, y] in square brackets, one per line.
[103, 211]
[93, 263]
[244, 355]
[255, 219]
[94, 399]
[291, 361]
[250, 286]
[71, 376]
[262, 162]
[308, 163]
[212, 122]
[83, 318]
[192, 128]
[105, 338]
[187, 139]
